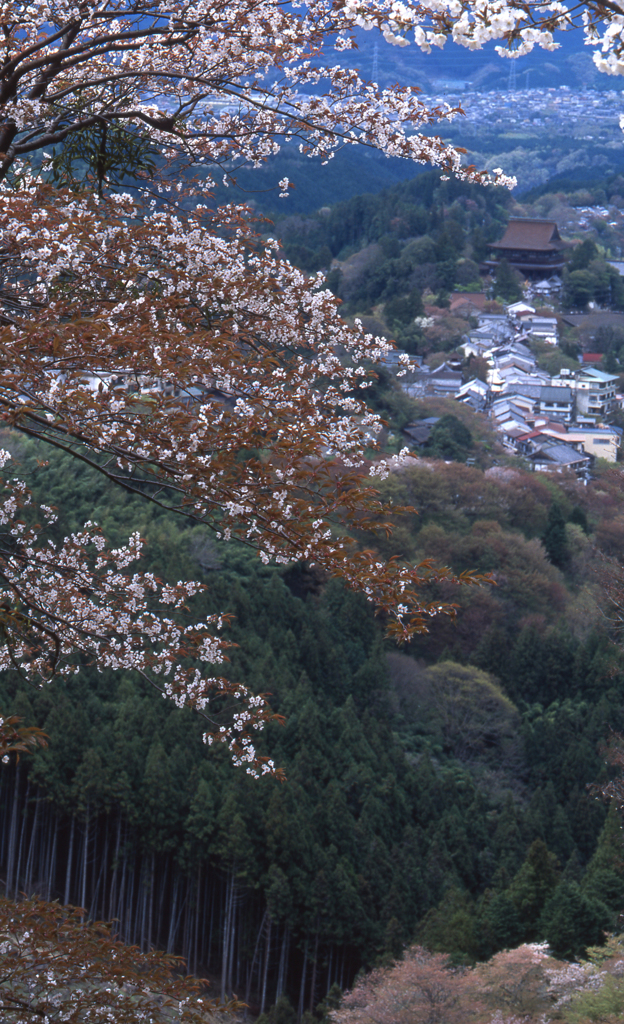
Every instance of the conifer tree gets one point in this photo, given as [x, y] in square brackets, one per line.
[572, 920]
[533, 885]
[554, 538]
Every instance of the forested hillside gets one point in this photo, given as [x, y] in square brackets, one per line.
[437, 791]
[439, 218]
[187, 417]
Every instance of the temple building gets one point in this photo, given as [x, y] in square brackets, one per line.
[531, 246]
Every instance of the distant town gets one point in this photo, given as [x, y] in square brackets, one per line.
[555, 422]
[562, 107]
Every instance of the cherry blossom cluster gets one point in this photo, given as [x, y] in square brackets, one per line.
[180, 351]
[58, 968]
[219, 82]
[233, 80]
[68, 604]
[565, 983]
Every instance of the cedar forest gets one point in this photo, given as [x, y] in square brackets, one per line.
[438, 792]
[427, 831]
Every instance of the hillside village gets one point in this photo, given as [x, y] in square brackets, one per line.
[555, 422]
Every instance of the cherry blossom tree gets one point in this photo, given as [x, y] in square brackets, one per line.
[165, 343]
[189, 364]
[55, 968]
[421, 988]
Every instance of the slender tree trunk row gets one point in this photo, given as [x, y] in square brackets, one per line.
[206, 915]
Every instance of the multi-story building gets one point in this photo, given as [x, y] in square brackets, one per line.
[556, 403]
[602, 442]
[594, 391]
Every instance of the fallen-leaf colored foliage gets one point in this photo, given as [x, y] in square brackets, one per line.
[54, 967]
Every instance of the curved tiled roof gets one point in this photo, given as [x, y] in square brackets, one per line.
[524, 233]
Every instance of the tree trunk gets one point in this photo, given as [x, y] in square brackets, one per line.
[161, 900]
[229, 900]
[130, 924]
[314, 966]
[51, 870]
[22, 835]
[232, 939]
[113, 888]
[281, 974]
[267, 955]
[13, 833]
[150, 916]
[31, 848]
[85, 863]
[197, 919]
[144, 900]
[303, 981]
[122, 889]
[187, 921]
[70, 854]
[255, 957]
[204, 923]
[172, 915]
[212, 906]
[101, 874]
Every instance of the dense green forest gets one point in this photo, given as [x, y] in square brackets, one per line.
[445, 217]
[437, 792]
[446, 795]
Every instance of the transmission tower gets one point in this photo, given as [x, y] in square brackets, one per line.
[512, 76]
[376, 63]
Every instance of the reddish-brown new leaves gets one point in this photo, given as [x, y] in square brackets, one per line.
[182, 357]
[19, 739]
[55, 968]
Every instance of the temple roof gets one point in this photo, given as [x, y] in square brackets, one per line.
[536, 235]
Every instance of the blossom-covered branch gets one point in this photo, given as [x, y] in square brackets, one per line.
[216, 83]
[54, 967]
[64, 605]
[232, 81]
[187, 361]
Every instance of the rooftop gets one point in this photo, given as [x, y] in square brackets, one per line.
[559, 395]
[595, 319]
[562, 454]
[576, 428]
[476, 300]
[526, 233]
[606, 378]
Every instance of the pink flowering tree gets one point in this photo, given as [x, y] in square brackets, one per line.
[421, 988]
